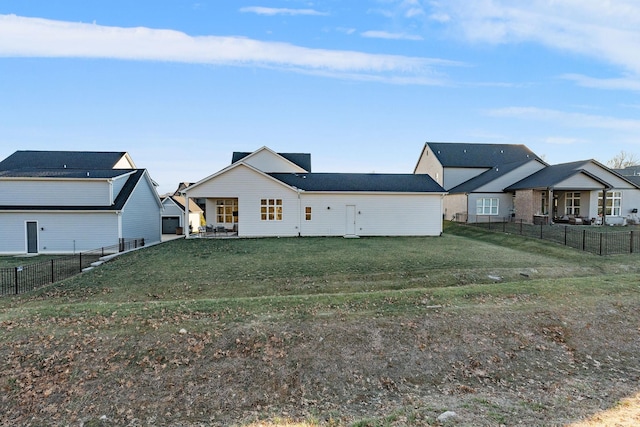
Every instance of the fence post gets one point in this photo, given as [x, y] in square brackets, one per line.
[541, 224]
[52, 272]
[504, 225]
[565, 234]
[631, 242]
[521, 226]
[600, 244]
[80, 258]
[584, 239]
[16, 278]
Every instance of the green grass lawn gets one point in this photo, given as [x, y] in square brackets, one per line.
[329, 331]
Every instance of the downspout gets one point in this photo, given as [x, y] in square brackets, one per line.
[466, 196]
[299, 213]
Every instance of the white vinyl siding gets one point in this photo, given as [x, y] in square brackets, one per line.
[141, 215]
[376, 214]
[456, 176]
[267, 161]
[250, 187]
[59, 233]
[30, 192]
[379, 214]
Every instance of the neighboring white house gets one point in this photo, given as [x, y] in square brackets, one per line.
[67, 201]
[173, 216]
[265, 193]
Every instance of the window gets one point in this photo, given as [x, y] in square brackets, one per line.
[271, 209]
[227, 211]
[614, 203]
[307, 213]
[572, 203]
[488, 206]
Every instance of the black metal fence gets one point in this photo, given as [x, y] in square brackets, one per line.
[25, 278]
[599, 240]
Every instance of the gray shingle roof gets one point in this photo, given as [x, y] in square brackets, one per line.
[62, 173]
[361, 182]
[486, 177]
[301, 159]
[465, 155]
[91, 160]
[552, 175]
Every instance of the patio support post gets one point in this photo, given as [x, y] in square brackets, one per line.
[185, 220]
[604, 206]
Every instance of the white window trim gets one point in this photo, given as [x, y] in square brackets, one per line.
[485, 206]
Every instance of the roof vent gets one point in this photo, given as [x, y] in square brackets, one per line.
[87, 173]
[501, 151]
[65, 166]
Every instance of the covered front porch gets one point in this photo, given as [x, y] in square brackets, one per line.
[574, 206]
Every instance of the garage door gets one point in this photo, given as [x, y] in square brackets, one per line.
[169, 224]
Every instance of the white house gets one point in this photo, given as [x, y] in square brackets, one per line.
[173, 216]
[66, 201]
[265, 193]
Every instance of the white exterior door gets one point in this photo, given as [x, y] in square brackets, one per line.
[351, 220]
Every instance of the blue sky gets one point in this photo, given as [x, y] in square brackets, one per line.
[361, 85]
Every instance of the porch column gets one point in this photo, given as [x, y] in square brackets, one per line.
[185, 228]
[550, 205]
[604, 206]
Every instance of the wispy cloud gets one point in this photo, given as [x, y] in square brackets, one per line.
[389, 36]
[34, 37]
[571, 119]
[605, 30]
[271, 11]
[620, 83]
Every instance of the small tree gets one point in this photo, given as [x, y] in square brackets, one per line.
[622, 160]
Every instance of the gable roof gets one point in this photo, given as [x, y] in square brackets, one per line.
[90, 160]
[180, 202]
[466, 155]
[555, 174]
[302, 160]
[360, 182]
[488, 176]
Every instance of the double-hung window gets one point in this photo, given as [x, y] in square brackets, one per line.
[613, 204]
[572, 203]
[271, 209]
[487, 206]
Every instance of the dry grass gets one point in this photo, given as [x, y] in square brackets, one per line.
[287, 332]
[624, 414]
